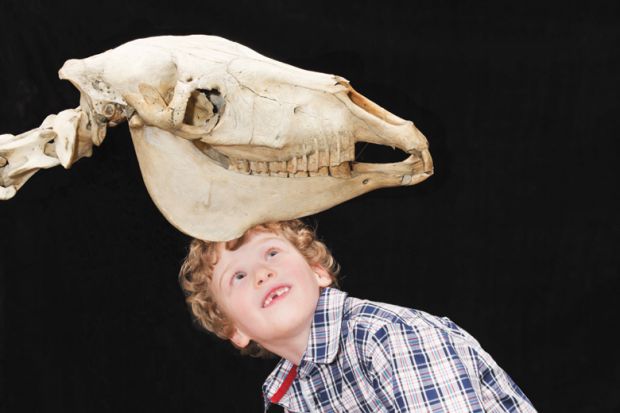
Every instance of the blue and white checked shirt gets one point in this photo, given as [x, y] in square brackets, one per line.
[364, 356]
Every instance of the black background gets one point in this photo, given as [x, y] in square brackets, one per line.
[515, 237]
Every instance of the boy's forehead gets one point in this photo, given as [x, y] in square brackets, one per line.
[249, 239]
[258, 236]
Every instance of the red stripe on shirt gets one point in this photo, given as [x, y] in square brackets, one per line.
[285, 385]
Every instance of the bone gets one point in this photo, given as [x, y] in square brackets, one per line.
[323, 158]
[334, 155]
[263, 167]
[259, 168]
[341, 150]
[100, 134]
[411, 165]
[280, 168]
[178, 103]
[50, 149]
[51, 144]
[349, 152]
[291, 166]
[242, 166]
[340, 171]
[151, 95]
[199, 109]
[65, 125]
[313, 162]
[109, 110]
[7, 193]
[153, 108]
[316, 146]
[277, 166]
[25, 155]
[149, 81]
[294, 168]
[302, 163]
[322, 171]
[135, 122]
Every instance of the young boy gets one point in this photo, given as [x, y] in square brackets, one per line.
[269, 291]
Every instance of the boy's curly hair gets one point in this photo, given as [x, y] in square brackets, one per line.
[197, 271]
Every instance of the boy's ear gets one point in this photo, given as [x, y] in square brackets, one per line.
[240, 339]
[322, 276]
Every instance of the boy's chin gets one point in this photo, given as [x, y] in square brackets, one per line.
[288, 322]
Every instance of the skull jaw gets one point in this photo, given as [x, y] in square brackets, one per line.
[206, 201]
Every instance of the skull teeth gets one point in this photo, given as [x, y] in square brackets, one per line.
[277, 166]
[259, 168]
[309, 159]
[313, 162]
[322, 171]
[340, 171]
[297, 167]
[240, 165]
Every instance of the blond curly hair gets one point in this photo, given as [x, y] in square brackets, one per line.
[197, 272]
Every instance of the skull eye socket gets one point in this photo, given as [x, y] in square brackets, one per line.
[202, 106]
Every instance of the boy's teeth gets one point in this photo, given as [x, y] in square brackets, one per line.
[275, 294]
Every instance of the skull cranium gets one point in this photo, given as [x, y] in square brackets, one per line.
[227, 138]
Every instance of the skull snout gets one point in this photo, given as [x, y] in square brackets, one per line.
[374, 124]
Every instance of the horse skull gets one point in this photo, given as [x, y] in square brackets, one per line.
[227, 138]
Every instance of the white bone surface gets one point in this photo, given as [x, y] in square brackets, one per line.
[226, 138]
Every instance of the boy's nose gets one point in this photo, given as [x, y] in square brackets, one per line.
[263, 275]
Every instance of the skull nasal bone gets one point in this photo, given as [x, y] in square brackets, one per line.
[374, 109]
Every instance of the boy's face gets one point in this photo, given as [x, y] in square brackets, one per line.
[267, 289]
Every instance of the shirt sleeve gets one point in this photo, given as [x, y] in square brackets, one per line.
[438, 369]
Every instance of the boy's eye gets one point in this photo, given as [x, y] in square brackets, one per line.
[272, 253]
[238, 276]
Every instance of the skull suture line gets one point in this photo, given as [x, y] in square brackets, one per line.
[225, 137]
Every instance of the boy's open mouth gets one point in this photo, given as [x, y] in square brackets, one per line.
[275, 294]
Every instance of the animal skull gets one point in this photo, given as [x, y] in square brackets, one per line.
[226, 138]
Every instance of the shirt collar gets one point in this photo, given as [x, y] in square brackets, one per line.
[323, 341]
[324, 336]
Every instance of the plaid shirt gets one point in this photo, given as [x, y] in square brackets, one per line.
[364, 356]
